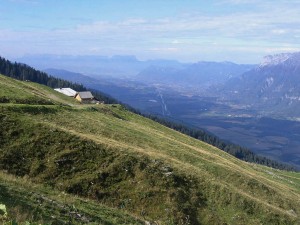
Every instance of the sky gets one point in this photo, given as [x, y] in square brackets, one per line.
[241, 31]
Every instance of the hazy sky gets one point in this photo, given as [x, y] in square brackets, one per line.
[188, 30]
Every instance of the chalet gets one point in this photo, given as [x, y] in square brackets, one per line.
[85, 97]
[66, 91]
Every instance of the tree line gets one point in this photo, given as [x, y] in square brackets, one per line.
[24, 72]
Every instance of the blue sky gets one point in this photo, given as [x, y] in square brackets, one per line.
[241, 31]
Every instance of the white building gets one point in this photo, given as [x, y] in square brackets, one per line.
[66, 91]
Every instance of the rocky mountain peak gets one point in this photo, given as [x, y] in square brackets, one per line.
[271, 60]
[277, 59]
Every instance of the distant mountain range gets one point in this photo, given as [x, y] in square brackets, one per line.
[160, 71]
[273, 87]
[196, 74]
[115, 66]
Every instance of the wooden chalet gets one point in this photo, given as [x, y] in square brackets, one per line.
[85, 97]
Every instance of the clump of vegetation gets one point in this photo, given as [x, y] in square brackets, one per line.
[30, 203]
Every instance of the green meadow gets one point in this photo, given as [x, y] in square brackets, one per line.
[67, 163]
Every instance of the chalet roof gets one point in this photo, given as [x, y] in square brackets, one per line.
[85, 95]
[66, 91]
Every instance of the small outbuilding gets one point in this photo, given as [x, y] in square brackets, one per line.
[66, 91]
[85, 97]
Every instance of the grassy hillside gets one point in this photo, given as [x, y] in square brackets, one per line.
[28, 201]
[113, 158]
[23, 92]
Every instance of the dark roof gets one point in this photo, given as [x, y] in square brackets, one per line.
[85, 95]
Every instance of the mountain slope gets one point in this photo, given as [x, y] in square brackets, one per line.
[272, 88]
[125, 161]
